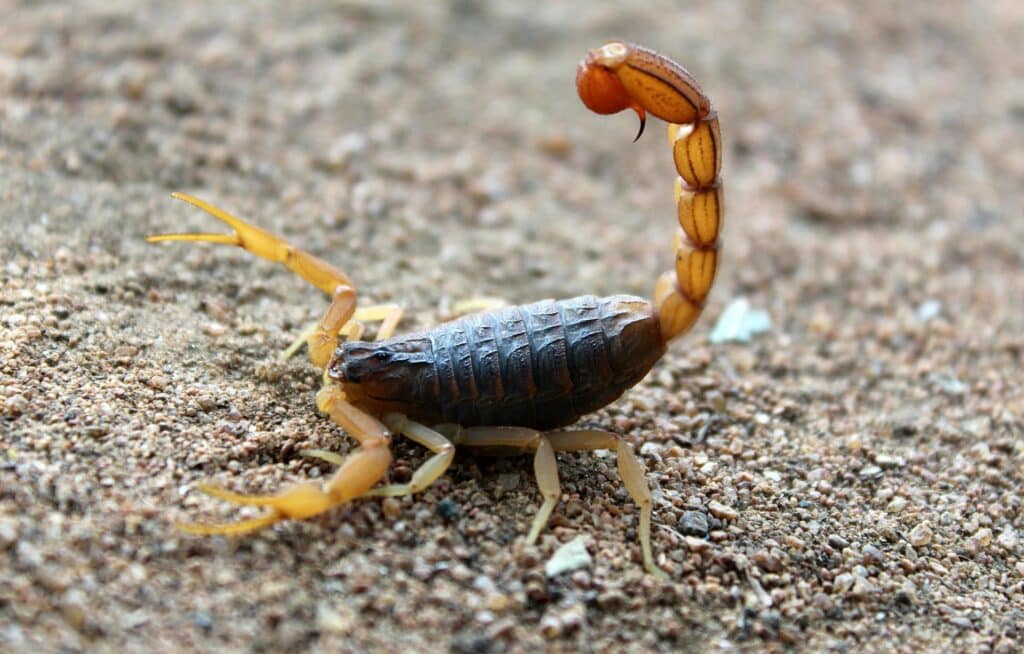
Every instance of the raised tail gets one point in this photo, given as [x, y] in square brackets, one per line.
[620, 76]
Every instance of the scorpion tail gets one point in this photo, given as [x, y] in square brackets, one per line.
[620, 76]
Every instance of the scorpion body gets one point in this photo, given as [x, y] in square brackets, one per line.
[497, 381]
[540, 365]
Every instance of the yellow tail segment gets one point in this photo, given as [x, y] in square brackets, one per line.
[620, 76]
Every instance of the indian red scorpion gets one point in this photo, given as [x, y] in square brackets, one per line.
[502, 379]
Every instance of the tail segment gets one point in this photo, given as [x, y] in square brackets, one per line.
[620, 76]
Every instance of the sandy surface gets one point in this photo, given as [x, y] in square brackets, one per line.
[859, 468]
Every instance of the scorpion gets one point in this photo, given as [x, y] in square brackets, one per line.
[503, 380]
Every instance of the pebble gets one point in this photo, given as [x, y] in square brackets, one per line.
[557, 622]
[611, 600]
[391, 507]
[722, 511]
[447, 509]
[570, 556]
[888, 462]
[8, 532]
[921, 535]
[872, 555]
[1008, 538]
[694, 523]
[695, 544]
[928, 310]
[715, 400]
[739, 322]
[15, 405]
[870, 472]
[766, 561]
[980, 540]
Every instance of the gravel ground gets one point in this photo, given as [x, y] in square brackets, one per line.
[849, 481]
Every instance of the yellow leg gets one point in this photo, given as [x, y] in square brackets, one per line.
[631, 471]
[476, 305]
[389, 315]
[431, 469]
[544, 465]
[357, 474]
[324, 455]
[324, 338]
[545, 446]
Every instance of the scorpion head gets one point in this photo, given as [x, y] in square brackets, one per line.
[379, 372]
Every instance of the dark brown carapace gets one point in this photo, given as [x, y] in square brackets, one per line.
[498, 380]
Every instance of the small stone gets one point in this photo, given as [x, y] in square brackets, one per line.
[823, 602]
[842, 583]
[739, 322]
[767, 562]
[508, 482]
[695, 544]
[907, 594]
[870, 472]
[862, 587]
[980, 539]
[611, 600]
[928, 310]
[722, 511]
[202, 620]
[332, 620]
[550, 626]
[897, 504]
[1008, 538]
[570, 556]
[8, 532]
[937, 567]
[1006, 645]
[15, 405]
[447, 509]
[694, 523]
[835, 541]
[887, 461]
[872, 555]
[391, 507]
[472, 643]
[716, 401]
[921, 535]
[499, 602]
[573, 617]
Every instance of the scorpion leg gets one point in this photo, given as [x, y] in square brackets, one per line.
[476, 305]
[358, 472]
[324, 338]
[545, 467]
[546, 470]
[389, 315]
[631, 471]
[432, 468]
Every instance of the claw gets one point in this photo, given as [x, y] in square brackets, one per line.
[643, 119]
[298, 502]
[229, 528]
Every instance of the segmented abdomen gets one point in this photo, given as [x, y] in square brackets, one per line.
[539, 365]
